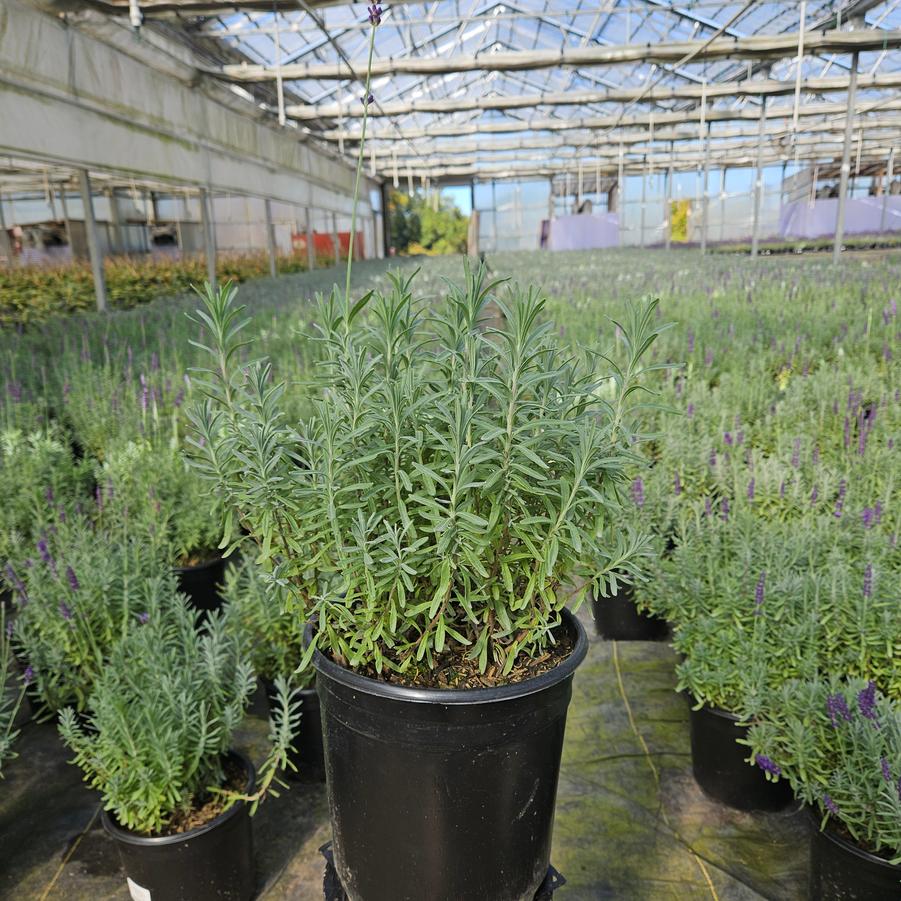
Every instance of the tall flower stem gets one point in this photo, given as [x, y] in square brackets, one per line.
[362, 150]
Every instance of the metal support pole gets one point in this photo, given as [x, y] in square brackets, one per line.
[723, 204]
[888, 185]
[335, 240]
[620, 198]
[846, 161]
[644, 186]
[94, 251]
[758, 181]
[6, 250]
[705, 191]
[669, 204]
[209, 235]
[270, 239]
[311, 244]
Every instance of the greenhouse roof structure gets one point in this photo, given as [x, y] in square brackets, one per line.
[482, 88]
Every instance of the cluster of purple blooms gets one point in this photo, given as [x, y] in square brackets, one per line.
[375, 14]
[638, 492]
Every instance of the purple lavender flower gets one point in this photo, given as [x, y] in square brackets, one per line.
[143, 618]
[740, 438]
[847, 437]
[814, 495]
[727, 437]
[796, 453]
[759, 593]
[708, 358]
[28, 675]
[375, 14]
[767, 765]
[712, 459]
[48, 495]
[868, 581]
[690, 411]
[65, 611]
[868, 516]
[638, 492]
[44, 551]
[837, 708]
[73, 579]
[830, 805]
[368, 99]
[886, 769]
[677, 484]
[724, 508]
[840, 500]
[782, 489]
[866, 701]
[751, 490]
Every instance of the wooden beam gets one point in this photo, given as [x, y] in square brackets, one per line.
[758, 46]
[769, 87]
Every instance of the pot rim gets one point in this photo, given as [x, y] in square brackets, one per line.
[829, 834]
[155, 841]
[713, 711]
[457, 696]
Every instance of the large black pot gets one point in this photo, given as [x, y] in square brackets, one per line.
[841, 871]
[720, 767]
[445, 795]
[213, 862]
[201, 583]
[618, 619]
[307, 757]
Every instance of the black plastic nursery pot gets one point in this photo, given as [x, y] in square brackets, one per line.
[308, 756]
[201, 583]
[720, 764]
[213, 862]
[444, 794]
[842, 871]
[618, 619]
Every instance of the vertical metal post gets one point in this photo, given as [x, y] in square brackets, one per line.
[723, 204]
[644, 187]
[270, 239]
[669, 202]
[116, 220]
[620, 198]
[705, 191]
[94, 251]
[209, 235]
[6, 251]
[885, 191]
[335, 241]
[758, 180]
[846, 161]
[311, 248]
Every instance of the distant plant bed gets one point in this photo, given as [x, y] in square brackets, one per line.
[34, 293]
[816, 245]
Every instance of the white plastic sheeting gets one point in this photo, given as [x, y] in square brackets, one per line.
[584, 232]
[817, 219]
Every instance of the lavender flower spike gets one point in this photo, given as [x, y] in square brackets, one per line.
[837, 708]
[65, 611]
[72, 578]
[638, 492]
[375, 14]
[886, 769]
[868, 581]
[866, 701]
[143, 618]
[830, 805]
[759, 593]
[766, 764]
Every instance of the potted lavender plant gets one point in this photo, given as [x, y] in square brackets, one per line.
[838, 743]
[428, 519]
[159, 746]
[259, 612]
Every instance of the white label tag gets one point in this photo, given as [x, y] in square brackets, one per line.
[137, 892]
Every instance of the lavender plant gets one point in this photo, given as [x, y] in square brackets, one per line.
[451, 482]
[259, 612]
[150, 487]
[838, 743]
[82, 591]
[163, 716]
[12, 693]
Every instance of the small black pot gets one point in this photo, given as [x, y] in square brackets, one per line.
[841, 871]
[308, 755]
[720, 768]
[443, 794]
[201, 583]
[618, 619]
[213, 862]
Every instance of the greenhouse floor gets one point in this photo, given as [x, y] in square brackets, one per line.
[631, 822]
